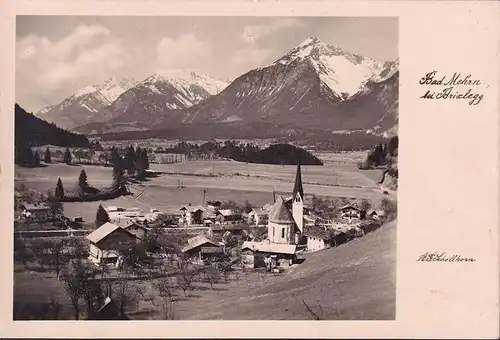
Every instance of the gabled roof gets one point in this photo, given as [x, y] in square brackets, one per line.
[126, 223]
[268, 247]
[103, 231]
[350, 206]
[193, 208]
[279, 213]
[372, 211]
[197, 241]
[35, 206]
[258, 211]
[227, 212]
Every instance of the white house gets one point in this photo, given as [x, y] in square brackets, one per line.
[350, 211]
[192, 214]
[107, 241]
[258, 216]
[36, 211]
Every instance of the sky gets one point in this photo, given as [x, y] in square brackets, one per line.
[57, 55]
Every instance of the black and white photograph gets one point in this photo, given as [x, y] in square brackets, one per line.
[205, 167]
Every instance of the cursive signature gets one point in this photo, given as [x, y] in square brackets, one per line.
[443, 257]
[452, 87]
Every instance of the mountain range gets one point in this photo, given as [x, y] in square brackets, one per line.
[315, 87]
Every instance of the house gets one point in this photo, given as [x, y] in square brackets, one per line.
[119, 213]
[350, 211]
[215, 205]
[133, 227]
[192, 214]
[37, 211]
[228, 216]
[267, 254]
[374, 214]
[319, 238]
[195, 252]
[107, 241]
[258, 216]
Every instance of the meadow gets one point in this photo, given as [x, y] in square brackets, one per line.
[219, 180]
[193, 181]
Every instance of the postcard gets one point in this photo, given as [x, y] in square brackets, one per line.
[231, 169]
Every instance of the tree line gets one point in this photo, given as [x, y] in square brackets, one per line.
[32, 131]
[281, 153]
[381, 154]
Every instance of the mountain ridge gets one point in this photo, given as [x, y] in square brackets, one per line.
[315, 86]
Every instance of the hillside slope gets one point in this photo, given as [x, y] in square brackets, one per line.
[33, 131]
[356, 281]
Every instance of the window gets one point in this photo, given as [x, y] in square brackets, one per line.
[282, 232]
[274, 229]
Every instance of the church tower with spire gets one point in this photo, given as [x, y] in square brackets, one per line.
[298, 200]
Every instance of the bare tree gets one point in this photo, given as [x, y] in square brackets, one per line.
[125, 295]
[73, 291]
[56, 249]
[81, 285]
[166, 287]
[78, 248]
[40, 248]
[212, 276]
[186, 275]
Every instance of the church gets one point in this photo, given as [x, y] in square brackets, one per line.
[286, 218]
[284, 230]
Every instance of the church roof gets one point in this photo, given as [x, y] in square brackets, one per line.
[297, 188]
[279, 213]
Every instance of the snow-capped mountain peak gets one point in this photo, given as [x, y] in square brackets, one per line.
[85, 91]
[113, 87]
[344, 73]
[182, 79]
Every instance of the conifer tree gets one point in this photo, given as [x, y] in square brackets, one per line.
[67, 156]
[102, 216]
[47, 158]
[130, 161]
[59, 193]
[82, 180]
[36, 158]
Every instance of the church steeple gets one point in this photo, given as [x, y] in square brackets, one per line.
[297, 188]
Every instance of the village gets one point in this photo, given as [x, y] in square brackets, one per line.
[273, 238]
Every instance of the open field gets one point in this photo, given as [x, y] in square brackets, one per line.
[353, 281]
[222, 180]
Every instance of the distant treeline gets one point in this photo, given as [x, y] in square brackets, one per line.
[285, 154]
[381, 155]
[32, 131]
[326, 140]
